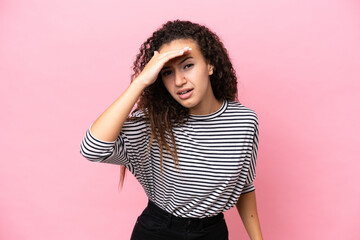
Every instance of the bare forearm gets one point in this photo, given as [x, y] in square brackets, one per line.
[108, 125]
[247, 209]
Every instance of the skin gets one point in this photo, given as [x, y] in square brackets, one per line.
[246, 206]
[108, 125]
[193, 73]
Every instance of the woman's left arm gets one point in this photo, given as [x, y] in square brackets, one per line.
[246, 206]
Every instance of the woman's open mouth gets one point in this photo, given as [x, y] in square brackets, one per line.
[185, 94]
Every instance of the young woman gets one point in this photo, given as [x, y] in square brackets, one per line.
[189, 142]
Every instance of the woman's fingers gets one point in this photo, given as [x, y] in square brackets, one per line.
[167, 56]
[172, 54]
[157, 62]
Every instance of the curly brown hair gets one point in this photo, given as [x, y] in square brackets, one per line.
[160, 108]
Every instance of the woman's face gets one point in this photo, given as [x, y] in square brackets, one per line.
[187, 78]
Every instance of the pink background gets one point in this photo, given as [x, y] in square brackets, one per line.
[62, 63]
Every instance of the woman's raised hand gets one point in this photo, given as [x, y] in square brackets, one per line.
[153, 67]
[108, 125]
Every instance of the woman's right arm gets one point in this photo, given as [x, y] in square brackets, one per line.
[108, 125]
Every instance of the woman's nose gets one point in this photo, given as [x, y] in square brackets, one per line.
[180, 79]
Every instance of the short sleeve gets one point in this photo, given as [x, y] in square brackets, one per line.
[126, 150]
[249, 185]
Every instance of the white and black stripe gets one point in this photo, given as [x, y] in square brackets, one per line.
[217, 155]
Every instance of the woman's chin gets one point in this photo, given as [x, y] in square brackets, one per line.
[187, 104]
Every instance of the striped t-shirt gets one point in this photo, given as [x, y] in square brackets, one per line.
[217, 157]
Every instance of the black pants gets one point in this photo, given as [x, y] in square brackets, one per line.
[156, 224]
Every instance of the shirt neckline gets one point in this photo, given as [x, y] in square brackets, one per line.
[211, 115]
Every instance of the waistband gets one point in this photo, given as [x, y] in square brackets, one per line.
[182, 222]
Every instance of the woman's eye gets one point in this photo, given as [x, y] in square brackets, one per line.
[188, 65]
[166, 73]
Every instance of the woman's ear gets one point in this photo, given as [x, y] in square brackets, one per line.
[210, 69]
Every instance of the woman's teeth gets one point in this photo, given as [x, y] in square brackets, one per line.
[184, 92]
